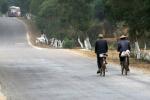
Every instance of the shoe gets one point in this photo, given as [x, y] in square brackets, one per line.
[98, 71]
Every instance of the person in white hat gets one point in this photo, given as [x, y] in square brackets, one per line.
[100, 47]
[123, 37]
[123, 45]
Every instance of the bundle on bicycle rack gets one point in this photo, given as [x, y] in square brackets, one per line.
[125, 53]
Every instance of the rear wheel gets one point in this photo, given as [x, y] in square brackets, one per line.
[102, 61]
[122, 69]
[124, 66]
[104, 67]
[101, 71]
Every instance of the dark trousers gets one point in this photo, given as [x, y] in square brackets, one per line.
[99, 61]
[123, 58]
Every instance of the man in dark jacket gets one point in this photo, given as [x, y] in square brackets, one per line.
[123, 45]
[100, 47]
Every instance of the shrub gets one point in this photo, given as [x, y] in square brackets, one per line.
[68, 43]
[112, 45]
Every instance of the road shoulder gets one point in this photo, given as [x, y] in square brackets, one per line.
[2, 97]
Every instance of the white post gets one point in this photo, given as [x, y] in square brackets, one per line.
[56, 43]
[87, 44]
[145, 47]
[137, 50]
[81, 44]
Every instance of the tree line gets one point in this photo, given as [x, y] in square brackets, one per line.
[81, 19]
[71, 19]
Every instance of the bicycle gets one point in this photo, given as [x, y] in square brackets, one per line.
[103, 63]
[125, 62]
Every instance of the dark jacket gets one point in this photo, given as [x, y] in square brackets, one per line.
[123, 45]
[101, 46]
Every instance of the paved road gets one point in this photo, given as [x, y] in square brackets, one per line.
[27, 73]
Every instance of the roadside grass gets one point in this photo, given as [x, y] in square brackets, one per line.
[113, 57]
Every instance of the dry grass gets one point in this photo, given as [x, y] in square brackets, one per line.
[114, 58]
[2, 98]
[33, 33]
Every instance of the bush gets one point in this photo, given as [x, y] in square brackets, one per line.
[68, 43]
[112, 45]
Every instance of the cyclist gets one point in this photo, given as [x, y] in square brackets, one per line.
[100, 47]
[123, 45]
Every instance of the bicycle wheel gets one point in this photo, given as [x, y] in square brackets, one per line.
[125, 66]
[103, 66]
[122, 67]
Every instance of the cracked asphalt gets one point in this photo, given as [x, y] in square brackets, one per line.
[28, 73]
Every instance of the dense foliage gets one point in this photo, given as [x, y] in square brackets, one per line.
[3, 6]
[135, 13]
[72, 17]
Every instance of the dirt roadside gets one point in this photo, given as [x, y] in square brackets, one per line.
[2, 97]
[33, 33]
[113, 58]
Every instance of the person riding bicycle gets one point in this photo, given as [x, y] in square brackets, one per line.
[123, 45]
[100, 47]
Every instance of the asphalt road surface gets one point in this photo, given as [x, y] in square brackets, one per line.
[28, 73]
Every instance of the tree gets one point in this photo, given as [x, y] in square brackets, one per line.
[99, 9]
[24, 5]
[11, 2]
[78, 14]
[35, 6]
[133, 12]
[3, 6]
[63, 15]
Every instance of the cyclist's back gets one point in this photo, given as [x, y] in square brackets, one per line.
[101, 46]
[123, 45]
